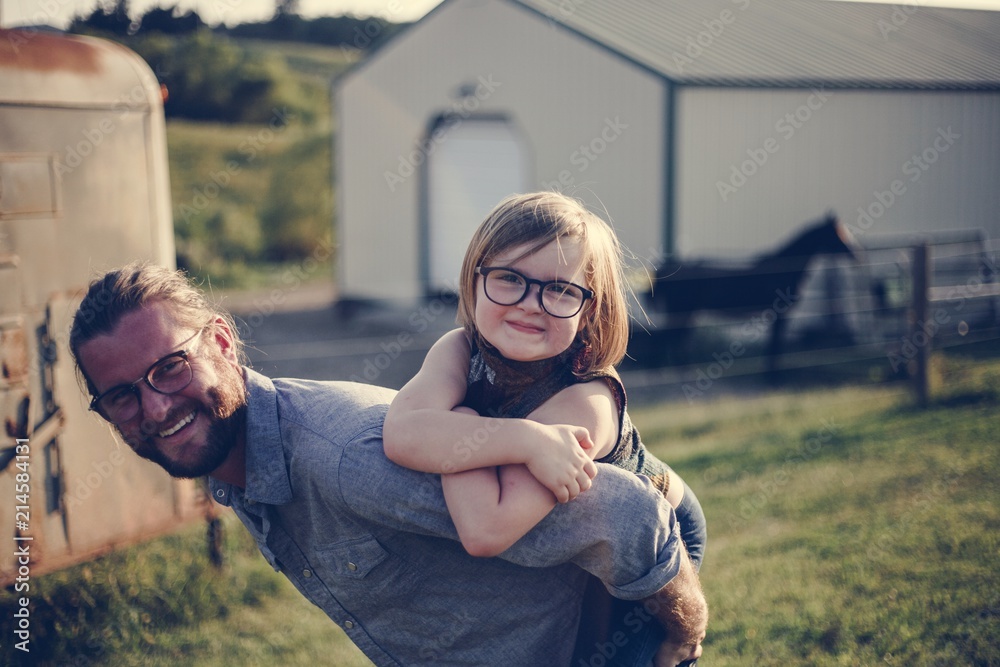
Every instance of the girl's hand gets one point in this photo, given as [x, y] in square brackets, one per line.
[560, 461]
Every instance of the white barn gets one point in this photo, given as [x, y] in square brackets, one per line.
[700, 128]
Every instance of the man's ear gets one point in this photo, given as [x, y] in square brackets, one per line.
[223, 337]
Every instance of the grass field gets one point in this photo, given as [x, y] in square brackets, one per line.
[846, 528]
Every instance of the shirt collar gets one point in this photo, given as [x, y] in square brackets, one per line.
[267, 475]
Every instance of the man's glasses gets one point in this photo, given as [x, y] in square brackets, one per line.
[507, 287]
[169, 375]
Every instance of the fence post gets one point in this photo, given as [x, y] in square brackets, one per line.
[921, 337]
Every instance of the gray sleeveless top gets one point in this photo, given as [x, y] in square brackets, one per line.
[500, 387]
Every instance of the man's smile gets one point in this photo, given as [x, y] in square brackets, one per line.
[178, 426]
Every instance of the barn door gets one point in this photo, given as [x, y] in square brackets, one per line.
[472, 164]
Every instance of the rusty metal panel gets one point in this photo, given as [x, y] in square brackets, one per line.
[14, 397]
[48, 520]
[27, 186]
[13, 357]
[83, 188]
[52, 70]
[10, 284]
[14, 412]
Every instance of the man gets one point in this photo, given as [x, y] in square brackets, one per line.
[369, 542]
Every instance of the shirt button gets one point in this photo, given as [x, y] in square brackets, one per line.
[348, 624]
[250, 501]
[352, 567]
[307, 573]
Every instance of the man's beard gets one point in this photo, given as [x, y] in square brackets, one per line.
[226, 410]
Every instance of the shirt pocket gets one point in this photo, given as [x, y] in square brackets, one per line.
[364, 566]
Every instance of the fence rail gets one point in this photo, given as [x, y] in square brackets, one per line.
[883, 316]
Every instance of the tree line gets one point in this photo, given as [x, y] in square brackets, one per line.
[208, 74]
[284, 25]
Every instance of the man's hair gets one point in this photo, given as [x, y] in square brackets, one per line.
[535, 220]
[135, 286]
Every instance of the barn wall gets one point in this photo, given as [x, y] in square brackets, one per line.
[753, 164]
[594, 124]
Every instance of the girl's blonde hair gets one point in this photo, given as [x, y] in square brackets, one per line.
[535, 220]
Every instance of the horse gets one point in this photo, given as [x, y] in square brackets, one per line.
[767, 288]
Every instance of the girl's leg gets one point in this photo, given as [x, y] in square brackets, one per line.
[634, 635]
[694, 529]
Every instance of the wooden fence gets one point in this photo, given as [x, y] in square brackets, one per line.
[876, 319]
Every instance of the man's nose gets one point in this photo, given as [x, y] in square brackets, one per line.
[155, 406]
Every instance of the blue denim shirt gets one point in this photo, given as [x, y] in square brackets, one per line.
[372, 543]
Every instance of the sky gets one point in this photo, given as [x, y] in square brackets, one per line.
[58, 13]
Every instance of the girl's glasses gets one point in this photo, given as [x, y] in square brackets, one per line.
[507, 287]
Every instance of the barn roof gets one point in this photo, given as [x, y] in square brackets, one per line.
[793, 42]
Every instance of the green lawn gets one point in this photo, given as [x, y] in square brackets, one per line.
[846, 528]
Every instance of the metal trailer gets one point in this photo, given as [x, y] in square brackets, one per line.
[83, 188]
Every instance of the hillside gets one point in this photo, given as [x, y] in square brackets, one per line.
[251, 201]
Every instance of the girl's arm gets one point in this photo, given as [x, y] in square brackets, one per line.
[598, 399]
[493, 508]
[422, 433]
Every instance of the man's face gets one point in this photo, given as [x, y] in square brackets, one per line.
[191, 432]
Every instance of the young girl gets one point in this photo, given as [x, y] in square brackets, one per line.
[545, 320]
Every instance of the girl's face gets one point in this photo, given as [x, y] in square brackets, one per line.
[524, 331]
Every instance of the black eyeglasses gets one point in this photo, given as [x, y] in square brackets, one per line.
[507, 287]
[169, 375]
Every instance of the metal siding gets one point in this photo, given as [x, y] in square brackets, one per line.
[377, 220]
[90, 111]
[777, 42]
[845, 157]
[162, 247]
[43, 69]
[111, 207]
[564, 93]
